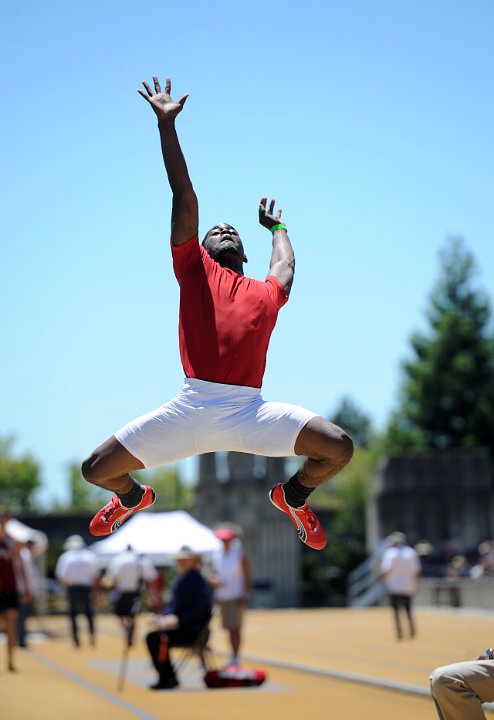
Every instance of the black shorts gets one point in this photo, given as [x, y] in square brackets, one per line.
[128, 605]
[400, 601]
[9, 600]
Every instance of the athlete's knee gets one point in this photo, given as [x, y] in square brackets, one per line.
[345, 447]
[324, 441]
[339, 447]
[91, 469]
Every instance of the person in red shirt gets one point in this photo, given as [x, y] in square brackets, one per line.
[225, 324]
[12, 574]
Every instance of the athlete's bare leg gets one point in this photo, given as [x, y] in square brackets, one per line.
[109, 467]
[327, 449]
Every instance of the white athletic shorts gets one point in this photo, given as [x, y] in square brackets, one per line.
[210, 417]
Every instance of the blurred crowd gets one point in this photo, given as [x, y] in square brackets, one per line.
[455, 562]
[178, 599]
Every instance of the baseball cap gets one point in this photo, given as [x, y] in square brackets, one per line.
[225, 533]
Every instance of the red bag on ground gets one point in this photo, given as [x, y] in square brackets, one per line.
[234, 677]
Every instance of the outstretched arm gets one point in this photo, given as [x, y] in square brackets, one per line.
[185, 213]
[282, 264]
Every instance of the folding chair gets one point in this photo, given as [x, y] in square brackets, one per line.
[199, 648]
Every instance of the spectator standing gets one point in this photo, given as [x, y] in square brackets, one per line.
[128, 573]
[78, 570]
[11, 571]
[232, 585]
[400, 566]
[485, 565]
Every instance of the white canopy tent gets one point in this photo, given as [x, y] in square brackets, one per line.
[159, 536]
[22, 533]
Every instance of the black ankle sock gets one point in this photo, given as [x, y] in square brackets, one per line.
[295, 493]
[133, 497]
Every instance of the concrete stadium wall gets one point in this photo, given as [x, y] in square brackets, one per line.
[466, 592]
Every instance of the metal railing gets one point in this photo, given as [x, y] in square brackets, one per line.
[365, 587]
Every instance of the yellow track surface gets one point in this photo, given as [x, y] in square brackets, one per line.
[328, 664]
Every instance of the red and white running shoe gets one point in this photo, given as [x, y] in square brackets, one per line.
[113, 514]
[305, 520]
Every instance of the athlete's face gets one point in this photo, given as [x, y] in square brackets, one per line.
[224, 241]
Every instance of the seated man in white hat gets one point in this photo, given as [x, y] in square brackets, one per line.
[188, 611]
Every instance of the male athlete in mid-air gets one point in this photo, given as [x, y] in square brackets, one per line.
[225, 323]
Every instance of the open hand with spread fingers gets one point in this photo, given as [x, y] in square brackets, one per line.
[267, 217]
[162, 103]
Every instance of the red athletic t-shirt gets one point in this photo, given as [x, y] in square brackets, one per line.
[226, 319]
[8, 581]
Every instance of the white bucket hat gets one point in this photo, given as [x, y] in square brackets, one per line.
[74, 542]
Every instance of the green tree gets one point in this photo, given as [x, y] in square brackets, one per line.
[19, 478]
[171, 492]
[447, 393]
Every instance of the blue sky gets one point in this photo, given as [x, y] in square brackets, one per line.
[369, 122]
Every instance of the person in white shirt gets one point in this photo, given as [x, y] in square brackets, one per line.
[127, 573]
[78, 570]
[400, 567]
[231, 582]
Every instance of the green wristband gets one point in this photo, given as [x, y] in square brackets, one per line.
[280, 226]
